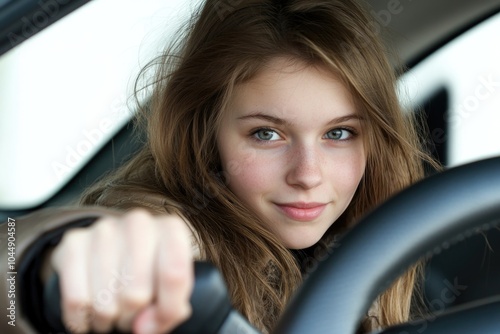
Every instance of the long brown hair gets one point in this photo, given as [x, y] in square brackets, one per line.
[178, 170]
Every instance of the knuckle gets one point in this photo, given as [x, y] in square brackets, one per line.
[174, 277]
[174, 221]
[106, 314]
[105, 226]
[73, 236]
[172, 313]
[76, 316]
[185, 312]
[70, 245]
[137, 216]
[136, 219]
[73, 327]
[134, 299]
[75, 305]
[104, 230]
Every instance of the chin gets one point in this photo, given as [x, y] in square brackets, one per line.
[301, 241]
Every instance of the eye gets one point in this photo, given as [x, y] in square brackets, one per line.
[266, 135]
[339, 134]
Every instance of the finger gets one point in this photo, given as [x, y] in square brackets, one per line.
[174, 279]
[141, 239]
[105, 254]
[70, 261]
[145, 322]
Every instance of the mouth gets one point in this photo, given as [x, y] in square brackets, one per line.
[302, 211]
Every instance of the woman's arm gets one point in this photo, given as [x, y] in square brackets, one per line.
[26, 232]
[37, 256]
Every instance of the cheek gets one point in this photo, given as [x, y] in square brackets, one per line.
[236, 158]
[348, 172]
[249, 174]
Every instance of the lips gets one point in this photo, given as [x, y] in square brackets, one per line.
[302, 211]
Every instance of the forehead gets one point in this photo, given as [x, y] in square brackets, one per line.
[288, 87]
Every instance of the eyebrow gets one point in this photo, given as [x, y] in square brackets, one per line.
[280, 121]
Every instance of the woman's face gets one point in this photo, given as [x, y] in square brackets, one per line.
[292, 149]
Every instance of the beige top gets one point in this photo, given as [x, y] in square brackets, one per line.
[27, 230]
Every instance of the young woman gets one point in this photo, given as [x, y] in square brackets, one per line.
[272, 127]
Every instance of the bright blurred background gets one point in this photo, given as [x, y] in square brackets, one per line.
[66, 91]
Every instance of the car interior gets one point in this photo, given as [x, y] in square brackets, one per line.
[416, 30]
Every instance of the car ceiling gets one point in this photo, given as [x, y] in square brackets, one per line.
[420, 26]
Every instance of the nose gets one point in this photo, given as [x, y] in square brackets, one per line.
[305, 167]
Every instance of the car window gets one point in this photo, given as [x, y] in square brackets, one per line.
[463, 78]
[68, 89]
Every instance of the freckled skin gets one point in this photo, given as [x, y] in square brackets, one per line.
[297, 157]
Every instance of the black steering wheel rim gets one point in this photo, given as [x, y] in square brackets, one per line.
[421, 220]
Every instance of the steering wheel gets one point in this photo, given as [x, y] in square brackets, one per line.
[422, 220]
